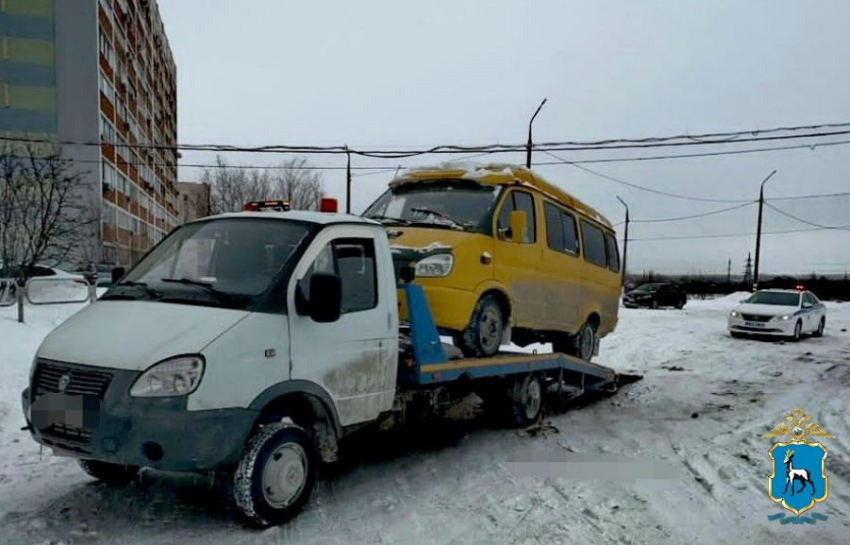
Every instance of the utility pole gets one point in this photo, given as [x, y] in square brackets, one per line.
[625, 240]
[729, 272]
[758, 232]
[528, 146]
[348, 181]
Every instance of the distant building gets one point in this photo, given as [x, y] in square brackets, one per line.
[99, 72]
[194, 201]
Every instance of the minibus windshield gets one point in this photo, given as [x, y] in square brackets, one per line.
[225, 262]
[449, 204]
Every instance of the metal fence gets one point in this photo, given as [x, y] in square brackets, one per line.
[46, 291]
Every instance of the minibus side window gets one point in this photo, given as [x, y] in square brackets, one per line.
[561, 234]
[518, 200]
[594, 244]
[613, 253]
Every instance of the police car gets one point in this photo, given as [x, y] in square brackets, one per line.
[782, 313]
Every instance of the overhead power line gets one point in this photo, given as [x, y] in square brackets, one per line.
[694, 216]
[810, 147]
[807, 222]
[641, 143]
[724, 235]
[640, 187]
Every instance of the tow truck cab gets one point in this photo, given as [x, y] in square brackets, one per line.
[227, 320]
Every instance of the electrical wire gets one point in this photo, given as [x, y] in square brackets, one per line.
[723, 235]
[802, 197]
[694, 216]
[640, 187]
[650, 142]
[801, 220]
[811, 147]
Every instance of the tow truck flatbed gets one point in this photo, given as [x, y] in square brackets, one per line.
[426, 362]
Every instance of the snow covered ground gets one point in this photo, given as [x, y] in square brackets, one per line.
[675, 458]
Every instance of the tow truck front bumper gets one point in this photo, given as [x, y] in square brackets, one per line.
[145, 432]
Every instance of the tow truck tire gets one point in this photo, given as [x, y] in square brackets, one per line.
[109, 473]
[527, 401]
[483, 336]
[276, 475]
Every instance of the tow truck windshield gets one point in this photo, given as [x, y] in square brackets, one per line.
[449, 204]
[226, 263]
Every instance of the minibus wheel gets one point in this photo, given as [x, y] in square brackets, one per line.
[483, 336]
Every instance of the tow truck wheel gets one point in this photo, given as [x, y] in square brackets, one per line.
[275, 476]
[109, 473]
[483, 336]
[527, 398]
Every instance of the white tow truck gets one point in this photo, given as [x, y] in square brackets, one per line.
[250, 344]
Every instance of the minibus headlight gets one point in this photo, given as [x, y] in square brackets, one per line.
[172, 377]
[434, 266]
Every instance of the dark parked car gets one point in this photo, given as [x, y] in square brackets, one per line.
[655, 296]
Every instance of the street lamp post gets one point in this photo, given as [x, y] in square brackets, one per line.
[625, 240]
[528, 146]
[758, 232]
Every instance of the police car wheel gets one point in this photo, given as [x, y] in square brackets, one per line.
[276, 475]
[821, 326]
[798, 330]
[109, 473]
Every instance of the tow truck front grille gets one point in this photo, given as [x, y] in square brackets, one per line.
[756, 318]
[49, 377]
[79, 436]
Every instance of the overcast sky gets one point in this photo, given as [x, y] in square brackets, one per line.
[405, 73]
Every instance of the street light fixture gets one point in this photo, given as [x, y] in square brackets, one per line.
[528, 146]
[758, 232]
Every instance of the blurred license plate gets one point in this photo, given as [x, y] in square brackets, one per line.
[79, 411]
[753, 324]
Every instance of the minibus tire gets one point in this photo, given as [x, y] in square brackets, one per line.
[109, 473]
[257, 481]
[469, 340]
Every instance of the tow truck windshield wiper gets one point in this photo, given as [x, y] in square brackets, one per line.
[205, 285]
[424, 210]
[152, 293]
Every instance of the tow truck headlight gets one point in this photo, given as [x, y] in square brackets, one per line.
[435, 266]
[172, 377]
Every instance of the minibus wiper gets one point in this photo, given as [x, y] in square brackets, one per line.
[425, 210]
[389, 219]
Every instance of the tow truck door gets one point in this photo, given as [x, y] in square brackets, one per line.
[354, 358]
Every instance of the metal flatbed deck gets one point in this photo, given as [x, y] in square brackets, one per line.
[426, 363]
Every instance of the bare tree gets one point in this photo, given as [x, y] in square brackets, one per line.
[44, 214]
[295, 182]
[232, 186]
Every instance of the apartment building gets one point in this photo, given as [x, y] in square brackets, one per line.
[195, 200]
[99, 73]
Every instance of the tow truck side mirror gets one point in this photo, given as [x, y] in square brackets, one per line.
[325, 297]
[117, 273]
[517, 221]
